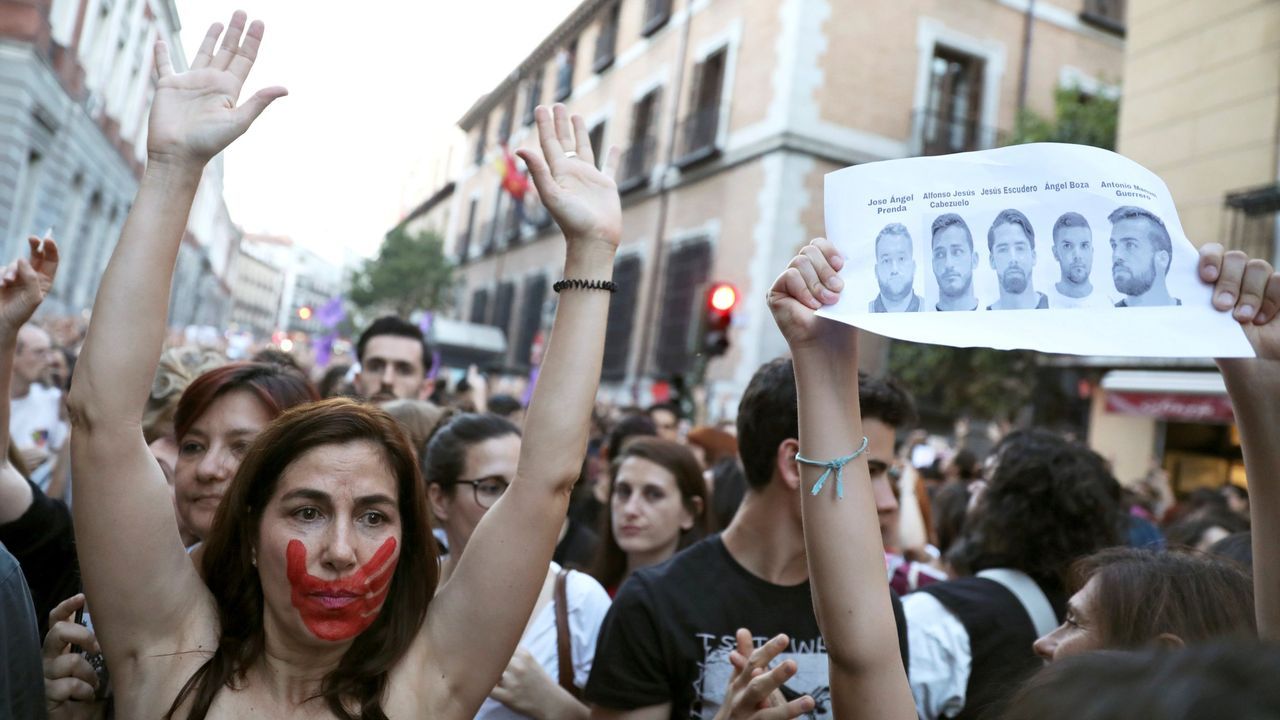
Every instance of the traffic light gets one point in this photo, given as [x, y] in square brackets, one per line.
[304, 312]
[722, 298]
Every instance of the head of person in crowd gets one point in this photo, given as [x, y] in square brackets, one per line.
[1225, 679]
[507, 406]
[61, 364]
[31, 358]
[1237, 498]
[394, 361]
[330, 487]
[334, 382]
[666, 418]
[1073, 249]
[712, 445]
[1012, 243]
[216, 420]
[954, 261]
[1141, 253]
[1126, 599]
[950, 505]
[626, 429]
[276, 356]
[1200, 529]
[728, 486]
[419, 419]
[177, 368]
[1236, 547]
[768, 428]
[966, 466]
[1047, 503]
[468, 465]
[895, 271]
[658, 506]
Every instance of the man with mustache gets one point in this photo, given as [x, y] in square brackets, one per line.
[1141, 252]
[394, 361]
[895, 270]
[1073, 249]
[953, 263]
[1012, 243]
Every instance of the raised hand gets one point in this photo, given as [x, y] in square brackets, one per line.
[25, 283]
[583, 200]
[69, 680]
[753, 692]
[809, 282]
[1250, 289]
[195, 115]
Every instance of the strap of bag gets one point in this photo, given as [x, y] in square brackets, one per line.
[564, 644]
[1029, 595]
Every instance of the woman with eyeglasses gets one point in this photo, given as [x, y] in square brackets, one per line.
[468, 465]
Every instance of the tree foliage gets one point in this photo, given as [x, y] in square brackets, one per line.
[977, 383]
[411, 272]
[1078, 118]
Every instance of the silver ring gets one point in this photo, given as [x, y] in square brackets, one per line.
[570, 154]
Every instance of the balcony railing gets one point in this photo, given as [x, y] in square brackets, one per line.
[939, 134]
[698, 133]
[1106, 14]
[509, 228]
[656, 14]
[486, 238]
[637, 164]
[1252, 216]
[606, 48]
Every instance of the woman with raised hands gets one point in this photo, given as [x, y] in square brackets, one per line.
[318, 565]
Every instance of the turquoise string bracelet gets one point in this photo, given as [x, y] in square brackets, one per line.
[836, 466]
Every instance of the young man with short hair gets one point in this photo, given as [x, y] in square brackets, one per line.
[394, 361]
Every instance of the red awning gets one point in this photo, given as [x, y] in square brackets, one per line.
[1180, 407]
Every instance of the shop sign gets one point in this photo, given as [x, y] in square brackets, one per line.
[1172, 406]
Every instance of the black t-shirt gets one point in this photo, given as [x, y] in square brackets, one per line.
[43, 542]
[668, 636]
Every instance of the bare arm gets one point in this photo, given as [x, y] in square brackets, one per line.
[1251, 290]
[134, 567]
[653, 712]
[842, 538]
[498, 578]
[23, 286]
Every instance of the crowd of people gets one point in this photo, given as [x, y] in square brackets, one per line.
[239, 539]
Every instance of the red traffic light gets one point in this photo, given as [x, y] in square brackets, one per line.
[723, 297]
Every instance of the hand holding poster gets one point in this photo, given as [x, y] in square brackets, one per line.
[1050, 247]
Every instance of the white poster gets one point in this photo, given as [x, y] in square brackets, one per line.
[1049, 247]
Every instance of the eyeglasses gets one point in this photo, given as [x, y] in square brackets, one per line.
[486, 490]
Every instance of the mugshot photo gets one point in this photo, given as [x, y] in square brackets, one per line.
[895, 270]
[1141, 256]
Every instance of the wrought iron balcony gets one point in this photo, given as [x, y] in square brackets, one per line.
[698, 136]
[637, 164]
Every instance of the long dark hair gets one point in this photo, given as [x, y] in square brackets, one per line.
[1142, 594]
[611, 561]
[360, 678]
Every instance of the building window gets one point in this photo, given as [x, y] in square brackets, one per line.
[28, 199]
[464, 237]
[479, 306]
[656, 14]
[950, 121]
[508, 116]
[607, 40]
[502, 303]
[686, 274]
[596, 137]
[535, 294]
[698, 130]
[1105, 14]
[622, 315]
[482, 137]
[1253, 221]
[533, 94]
[564, 70]
[637, 161]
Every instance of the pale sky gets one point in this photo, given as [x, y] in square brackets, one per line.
[373, 89]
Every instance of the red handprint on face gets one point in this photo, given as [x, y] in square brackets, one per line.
[340, 609]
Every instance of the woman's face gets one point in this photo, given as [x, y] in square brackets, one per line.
[210, 454]
[648, 514]
[489, 468]
[329, 542]
[1079, 633]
